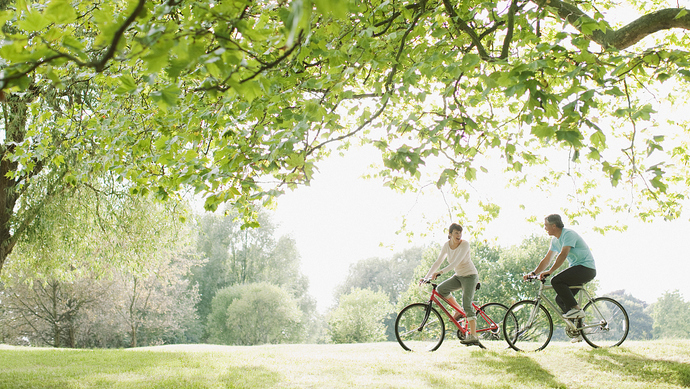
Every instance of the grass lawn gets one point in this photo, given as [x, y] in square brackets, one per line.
[657, 364]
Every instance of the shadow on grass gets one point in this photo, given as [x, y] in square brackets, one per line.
[519, 367]
[639, 367]
[103, 369]
[509, 370]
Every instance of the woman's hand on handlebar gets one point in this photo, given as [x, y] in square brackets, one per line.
[428, 280]
[543, 275]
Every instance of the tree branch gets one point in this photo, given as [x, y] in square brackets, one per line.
[462, 26]
[626, 36]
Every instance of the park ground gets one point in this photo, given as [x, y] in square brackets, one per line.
[636, 364]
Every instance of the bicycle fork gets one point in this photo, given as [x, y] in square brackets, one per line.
[427, 313]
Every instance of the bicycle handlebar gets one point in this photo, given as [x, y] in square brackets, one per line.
[428, 281]
[536, 277]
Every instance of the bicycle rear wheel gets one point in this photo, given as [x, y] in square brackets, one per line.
[490, 325]
[417, 330]
[529, 327]
[606, 323]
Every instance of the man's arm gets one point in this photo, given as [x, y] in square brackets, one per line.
[559, 261]
[542, 264]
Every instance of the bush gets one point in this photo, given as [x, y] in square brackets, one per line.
[250, 314]
[359, 317]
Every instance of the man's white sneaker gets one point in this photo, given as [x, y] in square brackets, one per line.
[574, 314]
[576, 339]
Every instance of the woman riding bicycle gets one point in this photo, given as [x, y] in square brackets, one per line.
[569, 245]
[457, 251]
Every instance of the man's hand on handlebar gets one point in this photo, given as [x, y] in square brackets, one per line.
[533, 276]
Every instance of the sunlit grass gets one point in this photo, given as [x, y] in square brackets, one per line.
[659, 364]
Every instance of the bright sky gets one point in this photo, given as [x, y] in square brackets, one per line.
[342, 218]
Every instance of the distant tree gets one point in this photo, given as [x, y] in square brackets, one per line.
[233, 256]
[359, 317]
[47, 312]
[641, 323]
[257, 313]
[72, 282]
[414, 293]
[671, 315]
[392, 275]
[501, 269]
[157, 305]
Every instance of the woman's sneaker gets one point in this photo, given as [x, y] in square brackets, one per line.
[574, 314]
[470, 341]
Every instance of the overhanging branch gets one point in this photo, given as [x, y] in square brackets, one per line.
[626, 36]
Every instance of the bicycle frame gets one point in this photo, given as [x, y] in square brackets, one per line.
[584, 296]
[435, 297]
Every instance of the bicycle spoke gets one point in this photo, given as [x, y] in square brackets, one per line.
[527, 327]
[489, 325]
[606, 323]
[410, 333]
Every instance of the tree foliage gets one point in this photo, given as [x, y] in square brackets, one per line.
[641, 323]
[391, 276]
[233, 256]
[236, 99]
[671, 314]
[256, 313]
[359, 317]
[104, 271]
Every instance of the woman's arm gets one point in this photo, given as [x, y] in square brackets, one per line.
[432, 272]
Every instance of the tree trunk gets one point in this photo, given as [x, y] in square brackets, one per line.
[55, 315]
[133, 343]
[15, 111]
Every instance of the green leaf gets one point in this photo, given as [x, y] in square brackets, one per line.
[663, 77]
[644, 113]
[295, 160]
[5, 16]
[543, 131]
[337, 8]
[127, 85]
[166, 97]
[470, 173]
[570, 136]
[598, 139]
[34, 21]
[61, 12]
[470, 60]
[69, 41]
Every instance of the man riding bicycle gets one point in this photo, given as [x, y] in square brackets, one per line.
[567, 244]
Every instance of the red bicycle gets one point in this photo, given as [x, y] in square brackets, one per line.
[420, 327]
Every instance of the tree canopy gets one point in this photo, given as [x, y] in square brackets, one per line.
[238, 100]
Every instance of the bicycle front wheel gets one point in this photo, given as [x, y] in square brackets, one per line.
[606, 323]
[490, 325]
[419, 327]
[528, 326]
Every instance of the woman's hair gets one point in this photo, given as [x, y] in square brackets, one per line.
[454, 227]
[555, 220]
